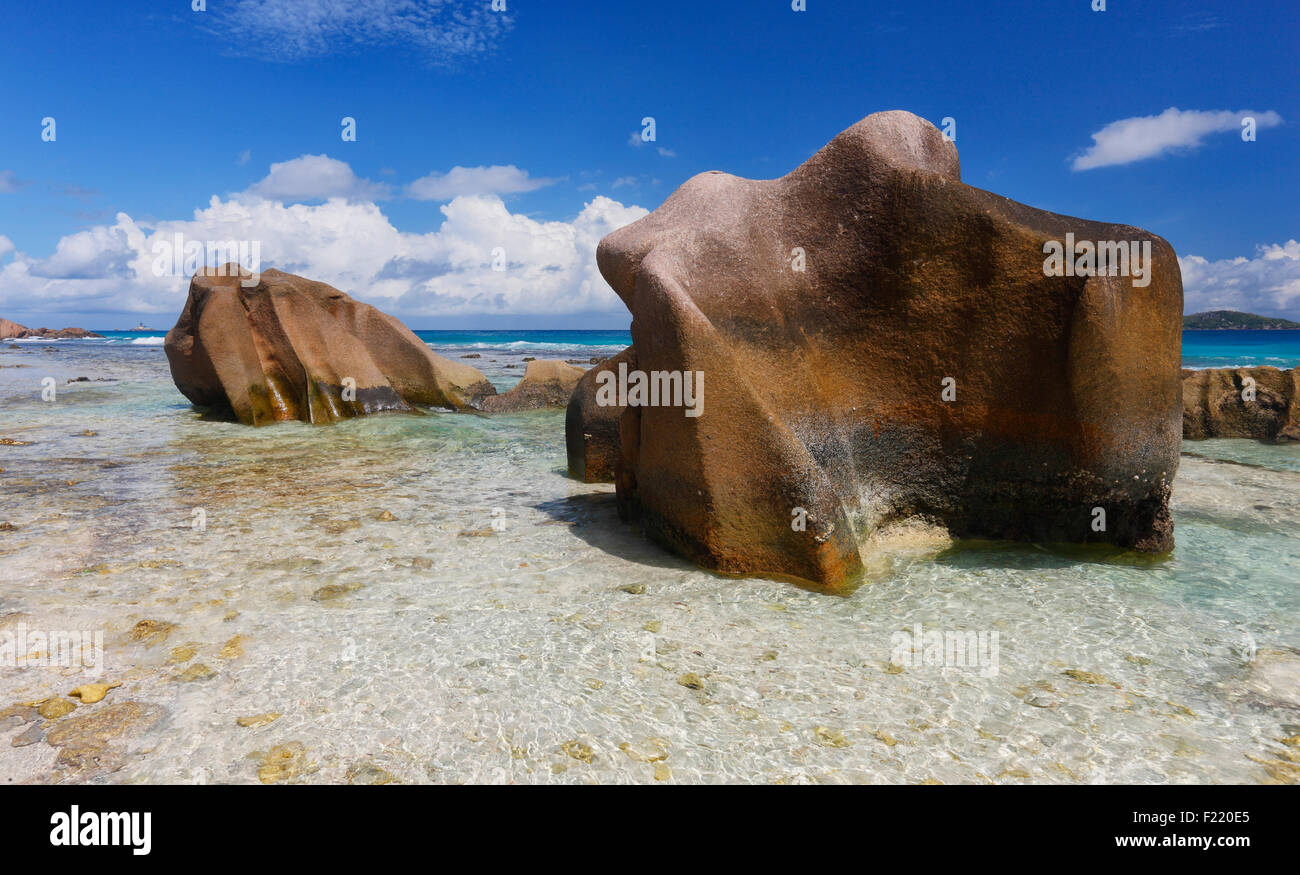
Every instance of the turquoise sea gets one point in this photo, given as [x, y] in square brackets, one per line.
[1201, 349]
[430, 599]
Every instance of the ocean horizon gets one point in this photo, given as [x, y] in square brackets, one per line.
[1202, 348]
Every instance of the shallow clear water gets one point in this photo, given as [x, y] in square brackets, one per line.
[559, 645]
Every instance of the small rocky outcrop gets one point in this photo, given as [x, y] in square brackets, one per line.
[590, 428]
[882, 341]
[12, 330]
[1261, 403]
[546, 383]
[286, 347]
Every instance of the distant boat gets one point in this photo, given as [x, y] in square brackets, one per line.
[141, 327]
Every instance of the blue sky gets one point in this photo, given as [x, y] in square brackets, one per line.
[160, 109]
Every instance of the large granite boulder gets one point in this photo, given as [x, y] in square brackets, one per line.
[286, 348]
[1261, 403]
[11, 329]
[883, 341]
[591, 433]
[546, 383]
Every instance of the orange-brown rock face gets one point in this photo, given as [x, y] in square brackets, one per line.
[1261, 403]
[290, 348]
[882, 341]
[591, 429]
[546, 383]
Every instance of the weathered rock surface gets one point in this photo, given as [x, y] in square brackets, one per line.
[590, 429]
[1217, 403]
[281, 350]
[12, 330]
[546, 383]
[824, 402]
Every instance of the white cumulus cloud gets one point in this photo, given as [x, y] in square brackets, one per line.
[1133, 139]
[128, 265]
[1268, 284]
[497, 179]
[316, 177]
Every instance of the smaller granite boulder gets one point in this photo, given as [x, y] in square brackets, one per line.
[1259, 403]
[285, 347]
[547, 383]
[591, 432]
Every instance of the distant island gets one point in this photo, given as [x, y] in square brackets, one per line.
[1231, 319]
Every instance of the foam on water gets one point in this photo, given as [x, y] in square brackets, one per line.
[552, 647]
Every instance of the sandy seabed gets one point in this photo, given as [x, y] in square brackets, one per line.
[430, 598]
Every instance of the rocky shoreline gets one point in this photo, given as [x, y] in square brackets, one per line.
[14, 331]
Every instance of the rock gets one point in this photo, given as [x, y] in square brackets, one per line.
[89, 694]
[281, 350]
[591, 434]
[1216, 404]
[1085, 677]
[196, 672]
[284, 763]
[545, 384]
[30, 735]
[331, 591]
[831, 309]
[648, 750]
[258, 719]
[828, 737]
[89, 743]
[472, 355]
[578, 751]
[691, 681]
[53, 709]
[151, 632]
[14, 330]
[366, 773]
